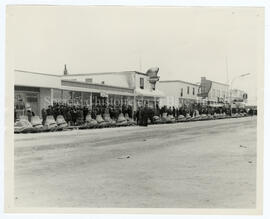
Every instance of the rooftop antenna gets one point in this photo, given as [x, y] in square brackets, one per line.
[140, 62]
[65, 70]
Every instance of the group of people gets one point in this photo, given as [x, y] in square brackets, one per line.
[76, 114]
[197, 108]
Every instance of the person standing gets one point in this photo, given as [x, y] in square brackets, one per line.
[44, 115]
[173, 112]
[29, 114]
[145, 116]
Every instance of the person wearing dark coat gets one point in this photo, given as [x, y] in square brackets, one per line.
[85, 112]
[140, 116]
[74, 115]
[79, 117]
[151, 114]
[145, 116]
[29, 114]
[173, 112]
[44, 115]
[15, 114]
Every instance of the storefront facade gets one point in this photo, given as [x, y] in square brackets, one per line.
[178, 93]
[214, 92]
[47, 89]
[143, 85]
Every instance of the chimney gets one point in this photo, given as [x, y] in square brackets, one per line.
[203, 79]
[65, 70]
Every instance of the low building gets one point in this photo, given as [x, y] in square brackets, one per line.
[177, 93]
[143, 84]
[213, 92]
[39, 90]
[237, 95]
[238, 98]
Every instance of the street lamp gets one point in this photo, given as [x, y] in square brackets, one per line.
[230, 88]
[238, 76]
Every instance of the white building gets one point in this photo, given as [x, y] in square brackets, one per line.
[213, 92]
[39, 90]
[143, 84]
[178, 92]
[237, 95]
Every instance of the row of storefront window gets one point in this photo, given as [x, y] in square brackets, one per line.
[27, 98]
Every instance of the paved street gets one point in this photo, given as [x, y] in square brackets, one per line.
[207, 164]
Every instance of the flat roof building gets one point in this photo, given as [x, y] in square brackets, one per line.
[178, 93]
[213, 92]
[39, 90]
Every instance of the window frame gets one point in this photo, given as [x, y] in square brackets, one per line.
[141, 83]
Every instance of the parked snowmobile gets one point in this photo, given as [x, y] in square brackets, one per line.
[121, 121]
[157, 120]
[50, 124]
[101, 122]
[37, 124]
[130, 121]
[181, 118]
[90, 122]
[23, 126]
[61, 122]
[108, 120]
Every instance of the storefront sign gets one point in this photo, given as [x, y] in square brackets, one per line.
[104, 94]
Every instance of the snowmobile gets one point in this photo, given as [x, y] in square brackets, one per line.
[37, 124]
[130, 121]
[109, 120]
[23, 126]
[50, 124]
[61, 122]
[90, 122]
[121, 121]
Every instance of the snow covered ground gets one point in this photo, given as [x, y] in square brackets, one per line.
[206, 164]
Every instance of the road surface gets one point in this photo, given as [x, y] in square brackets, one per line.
[206, 164]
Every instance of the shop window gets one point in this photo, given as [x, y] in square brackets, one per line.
[24, 100]
[142, 83]
[86, 97]
[67, 96]
[77, 96]
[57, 95]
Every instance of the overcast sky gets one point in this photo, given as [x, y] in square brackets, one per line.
[185, 43]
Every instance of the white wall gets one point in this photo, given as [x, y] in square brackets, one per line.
[172, 91]
[218, 90]
[32, 79]
[121, 79]
[147, 85]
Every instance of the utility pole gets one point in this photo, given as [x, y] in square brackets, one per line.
[227, 70]
[140, 62]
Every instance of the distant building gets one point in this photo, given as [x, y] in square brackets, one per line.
[213, 92]
[237, 95]
[178, 92]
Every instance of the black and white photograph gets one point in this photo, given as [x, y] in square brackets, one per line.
[134, 107]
